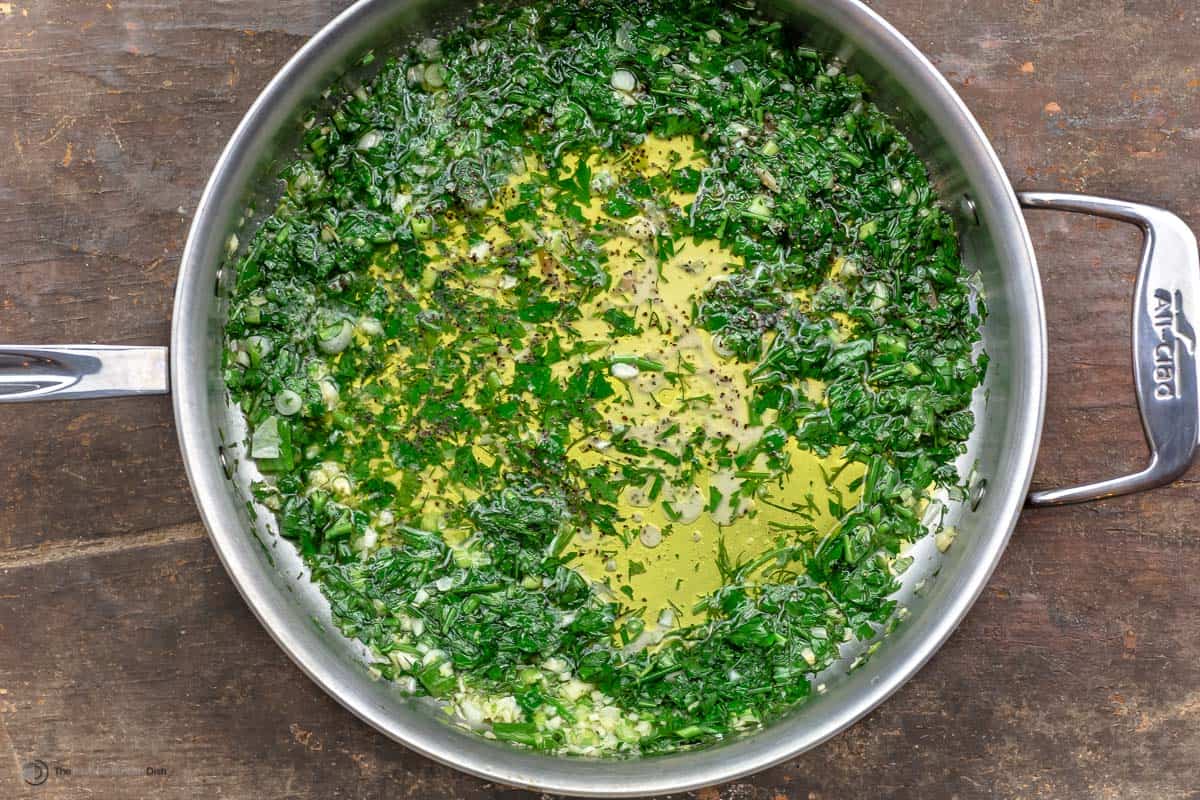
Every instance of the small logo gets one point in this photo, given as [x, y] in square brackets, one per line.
[1175, 339]
[35, 772]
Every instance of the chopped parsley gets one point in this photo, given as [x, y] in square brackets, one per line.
[583, 306]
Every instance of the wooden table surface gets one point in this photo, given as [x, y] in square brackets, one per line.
[131, 667]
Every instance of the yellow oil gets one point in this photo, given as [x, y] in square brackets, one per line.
[678, 552]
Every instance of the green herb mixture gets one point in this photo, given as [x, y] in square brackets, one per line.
[601, 358]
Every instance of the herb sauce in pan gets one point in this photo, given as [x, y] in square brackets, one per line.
[601, 359]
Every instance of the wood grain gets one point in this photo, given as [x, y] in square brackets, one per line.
[124, 646]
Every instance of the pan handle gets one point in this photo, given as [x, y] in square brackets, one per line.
[37, 372]
[1165, 303]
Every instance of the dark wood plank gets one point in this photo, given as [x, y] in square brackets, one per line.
[123, 645]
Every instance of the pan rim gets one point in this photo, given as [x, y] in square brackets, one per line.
[191, 323]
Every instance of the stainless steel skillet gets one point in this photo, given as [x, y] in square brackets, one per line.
[1002, 450]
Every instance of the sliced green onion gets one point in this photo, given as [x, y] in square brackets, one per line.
[267, 441]
[422, 227]
[288, 402]
[623, 81]
[644, 364]
[758, 208]
[369, 140]
[335, 337]
[329, 393]
[258, 347]
[434, 77]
